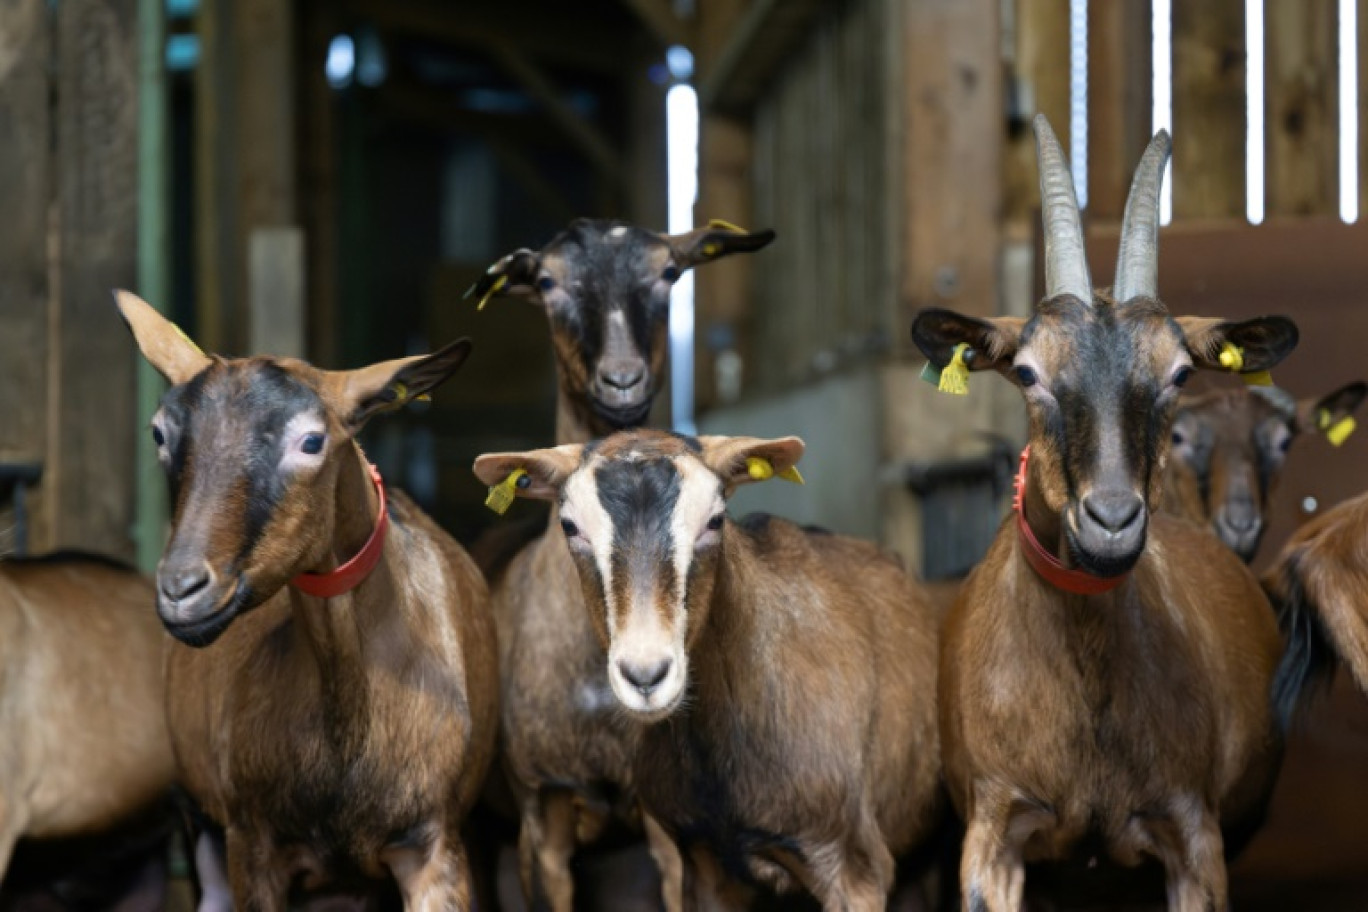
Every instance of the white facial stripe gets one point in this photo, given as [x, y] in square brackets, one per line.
[699, 498]
[582, 506]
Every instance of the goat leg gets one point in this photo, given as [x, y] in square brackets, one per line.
[259, 884]
[992, 871]
[668, 861]
[435, 879]
[1192, 850]
[546, 844]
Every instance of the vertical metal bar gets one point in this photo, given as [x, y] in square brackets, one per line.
[153, 267]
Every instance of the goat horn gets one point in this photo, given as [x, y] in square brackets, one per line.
[1137, 262]
[1066, 263]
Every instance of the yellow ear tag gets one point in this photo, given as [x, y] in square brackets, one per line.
[1323, 419]
[499, 283]
[762, 469]
[1340, 431]
[712, 249]
[1232, 359]
[719, 225]
[502, 495]
[954, 378]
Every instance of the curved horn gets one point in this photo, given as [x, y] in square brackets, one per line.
[1137, 262]
[1066, 264]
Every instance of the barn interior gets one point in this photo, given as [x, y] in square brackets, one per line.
[325, 179]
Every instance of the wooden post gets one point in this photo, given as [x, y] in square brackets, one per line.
[1209, 109]
[1302, 121]
[1363, 108]
[216, 252]
[1041, 75]
[319, 175]
[725, 152]
[25, 179]
[91, 409]
[1119, 100]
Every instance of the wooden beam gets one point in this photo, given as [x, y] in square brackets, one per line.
[1209, 109]
[1040, 75]
[215, 211]
[591, 142]
[89, 471]
[764, 36]
[1301, 104]
[667, 28]
[565, 37]
[25, 182]
[1119, 103]
[318, 204]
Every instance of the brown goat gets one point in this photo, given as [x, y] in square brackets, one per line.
[1320, 584]
[82, 704]
[1229, 446]
[342, 721]
[567, 752]
[782, 681]
[1105, 671]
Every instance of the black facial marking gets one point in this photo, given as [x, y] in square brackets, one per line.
[640, 498]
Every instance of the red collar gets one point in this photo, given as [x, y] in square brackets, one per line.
[1046, 564]
[348, 576]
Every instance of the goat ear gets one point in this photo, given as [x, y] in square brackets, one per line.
[1263, 341]
[718, 239]
[515, 274]
[357, 395]
[992, 342]
[161, 342]
[730, 459]
[546, 469]
[1329, 410]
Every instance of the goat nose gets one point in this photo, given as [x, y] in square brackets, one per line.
[622, 376]
[1114, 512]
[179, 584]
[645, 678]
[1240, 517]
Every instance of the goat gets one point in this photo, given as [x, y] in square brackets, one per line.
[1105, 671]
[332, 695]
[82, 704]
[782, 680]
[1319, 582]
[1229, 446]
[605, 287]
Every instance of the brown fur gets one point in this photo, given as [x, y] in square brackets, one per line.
[1136, 722]
[85, 745]
[337, 741]
[565, 750]
[1229, 451]
[805, 753]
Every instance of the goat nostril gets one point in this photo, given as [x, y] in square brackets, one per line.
[1240, 520]
[645, 678]
[180, 585]
[1113, 512]
[623, 379]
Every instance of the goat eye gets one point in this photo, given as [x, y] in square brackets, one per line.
[1025, 376]
[715, 523]
[1181, 378]
[1285, 444]
[158, 437]
[546, 283]
[312, 444]
[671, 273]
[1177, 437]
[569, 528]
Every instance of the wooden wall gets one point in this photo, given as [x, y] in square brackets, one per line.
[68, 171]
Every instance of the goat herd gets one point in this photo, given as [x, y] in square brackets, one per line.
[350, 705]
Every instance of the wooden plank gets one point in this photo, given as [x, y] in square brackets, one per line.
[216, 250]
[646, 153]
[1040, 73]
[275, 290]
[92, 406]
[1119, 100]
[264, 34]
[1301, 104]
[1209, 109]
[25, 177]
[1363, 107]
[954, 142]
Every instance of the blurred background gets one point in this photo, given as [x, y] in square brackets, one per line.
[325, 179]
